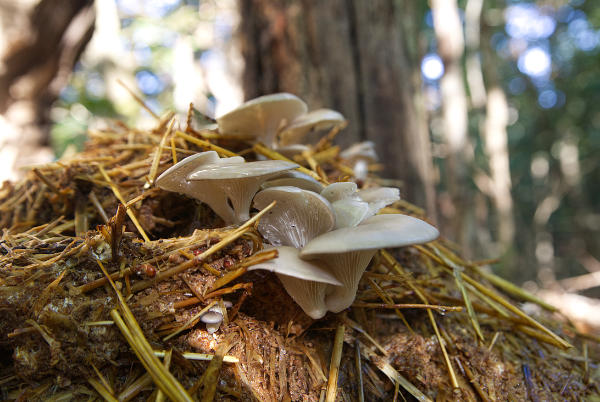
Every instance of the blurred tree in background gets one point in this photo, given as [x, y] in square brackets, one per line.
[40, 41]
[356, 57]
[506, 90]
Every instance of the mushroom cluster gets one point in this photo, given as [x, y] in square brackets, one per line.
[325, 241]
[227, 185]
[282, 115]
[325, 235]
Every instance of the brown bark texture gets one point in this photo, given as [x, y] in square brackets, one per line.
[352, 56]
[42, 41]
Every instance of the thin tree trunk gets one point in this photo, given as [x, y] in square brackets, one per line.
[496, 144]
[42, 41]
[351, 56]
[449, 35]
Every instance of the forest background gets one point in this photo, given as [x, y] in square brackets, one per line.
[485, 113]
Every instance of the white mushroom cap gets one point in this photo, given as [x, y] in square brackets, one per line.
[350, 212]
[212, 317]
[229, 188]
[339, 191]
[319, 119]
[359, 156]
[352, 207]
[378, 198]
[175, 178]
[304, 281]
[349, 209]
[363, 150]
[295, 178]
[298, 216]
[347, 251]
[260, 118]
[290, 151]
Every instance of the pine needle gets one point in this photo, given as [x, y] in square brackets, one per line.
[361, 392]
[135, 388]
[199, 356]
[235, 234]
[158, 153]
[472, 316]
[138, 99]
[104, 393]
[499, 299]
[117, 194]
[421, 296]
[206, 145]
[334, 366]
[190, 323]
[269, 153]
[140, 346]
[501, 283]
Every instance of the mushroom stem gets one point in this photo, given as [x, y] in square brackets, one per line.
[338, 298]
[313, 294]
[305, 281]
[234, 202]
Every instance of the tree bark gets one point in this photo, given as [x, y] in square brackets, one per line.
[352, 56]
[41, 42]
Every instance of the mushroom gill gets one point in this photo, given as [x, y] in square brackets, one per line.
[299, 215]
[346, 252]
[229, 188]
[227, 185]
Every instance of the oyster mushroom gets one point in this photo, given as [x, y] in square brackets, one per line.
[227, 185]
[303, 280]
[359, 156]
[175, 178]
[260, 118]
[214, 317]
[352, 207]
[229, 188]
[349, 209]
[339, 191]
[378, 197]
[293, 150]
[294, 178]
[299, 215]
[346, 252]
[319, 119]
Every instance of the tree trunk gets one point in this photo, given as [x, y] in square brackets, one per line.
[352, 56]
[41, 42]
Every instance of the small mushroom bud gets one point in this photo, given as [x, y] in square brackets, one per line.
[211, 317]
